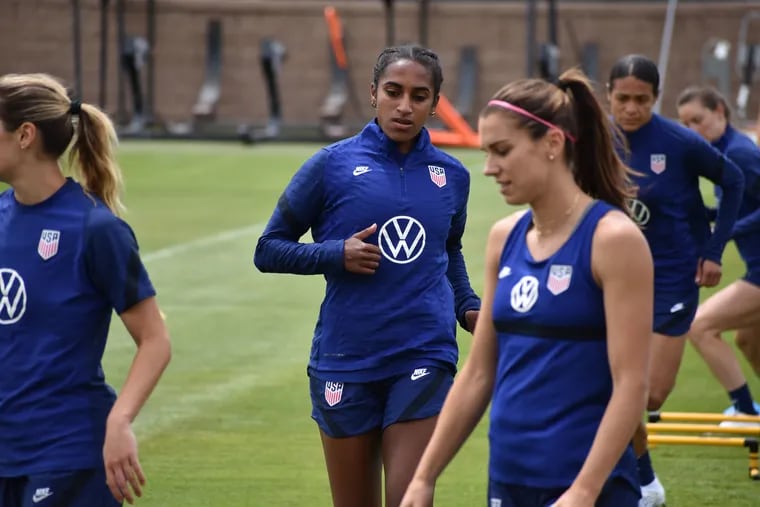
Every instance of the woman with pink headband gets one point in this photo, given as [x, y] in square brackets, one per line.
[561, 349]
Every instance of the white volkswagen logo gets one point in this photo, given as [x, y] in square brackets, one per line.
[639, 211]
[12, 296]
[524, 294]
[402, 239]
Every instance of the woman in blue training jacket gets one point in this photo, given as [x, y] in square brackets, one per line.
[387, 211]
[668, 160]
[562, 344]
[737, 306]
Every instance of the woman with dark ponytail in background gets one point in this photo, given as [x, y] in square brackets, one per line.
[66, 263]
[562, 343]
[669, 160]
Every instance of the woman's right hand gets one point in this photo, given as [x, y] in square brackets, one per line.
[360, 257]
[418, 494]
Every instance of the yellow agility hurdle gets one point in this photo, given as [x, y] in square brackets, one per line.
[655, 417]
[702, 428]
[662, 423]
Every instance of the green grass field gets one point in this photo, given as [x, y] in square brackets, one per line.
[229, 425]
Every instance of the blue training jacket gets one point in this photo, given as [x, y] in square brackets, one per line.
[374, 326]
[745, 153]
[669, 160]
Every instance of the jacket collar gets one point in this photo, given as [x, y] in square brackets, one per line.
[373, 133]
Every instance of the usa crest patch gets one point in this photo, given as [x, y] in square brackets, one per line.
[559, 278]
[438, 175]
[48, 245]
[657, 162]
[333, 393]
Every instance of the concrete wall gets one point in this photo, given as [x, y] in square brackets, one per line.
[35, 35]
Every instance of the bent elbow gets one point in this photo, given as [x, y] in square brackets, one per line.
[260, 256]
[167, 351]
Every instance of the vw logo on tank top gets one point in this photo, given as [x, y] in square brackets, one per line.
[524, 294]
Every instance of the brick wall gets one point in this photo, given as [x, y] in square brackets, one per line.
[35, 35]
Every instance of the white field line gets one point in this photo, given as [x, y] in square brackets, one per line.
[203, 242]
[175, 408]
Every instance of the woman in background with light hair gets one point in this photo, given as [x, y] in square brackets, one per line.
[66, 262]
[736, 306]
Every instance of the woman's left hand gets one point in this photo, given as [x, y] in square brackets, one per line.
[471, 318]
[708, 273]
[124, 474]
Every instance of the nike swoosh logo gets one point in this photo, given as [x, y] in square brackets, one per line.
[416, 376]
[38, 498]
[361, 170]
[505, 272]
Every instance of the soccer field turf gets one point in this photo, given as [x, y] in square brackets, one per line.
[229, 425]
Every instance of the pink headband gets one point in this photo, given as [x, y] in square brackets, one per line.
[527, 114]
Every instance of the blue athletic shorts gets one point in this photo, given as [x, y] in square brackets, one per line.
[617, 492]
[80, 488]
[346, 409]
[674, 312]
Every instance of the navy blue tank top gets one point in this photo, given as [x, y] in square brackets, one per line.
[553, 379]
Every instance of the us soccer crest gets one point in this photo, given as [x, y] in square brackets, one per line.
[438, 175]
[559, 278]
[657, 162]
[333, 393]
[48, 245]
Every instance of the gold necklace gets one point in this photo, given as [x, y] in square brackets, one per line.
[542, 231]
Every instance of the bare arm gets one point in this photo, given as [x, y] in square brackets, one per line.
[622, 265]
[146, 325]
[469, 396]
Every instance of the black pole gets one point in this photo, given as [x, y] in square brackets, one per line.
[553, 22]
[103, 52]
[390, 25]
[76, 28]
[530, 43]
[150, 70]
[424, 19]
[121, 97]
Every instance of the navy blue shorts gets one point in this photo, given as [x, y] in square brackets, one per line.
[617, 492]
[346, 409]
[80, 488]
[674, 312]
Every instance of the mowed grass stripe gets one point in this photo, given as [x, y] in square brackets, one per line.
[253, 444]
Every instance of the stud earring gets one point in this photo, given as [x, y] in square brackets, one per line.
[551, 156]
[373, 104]
[432, 113]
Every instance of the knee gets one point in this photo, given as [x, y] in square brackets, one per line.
[701, 331]
[743, 342]
[657, 397]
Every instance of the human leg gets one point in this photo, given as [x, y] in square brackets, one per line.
[349, 416]
[748, 341]
[353, 467]
[413, 404]
[735, 306]
[403, 445]
[667, 352]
